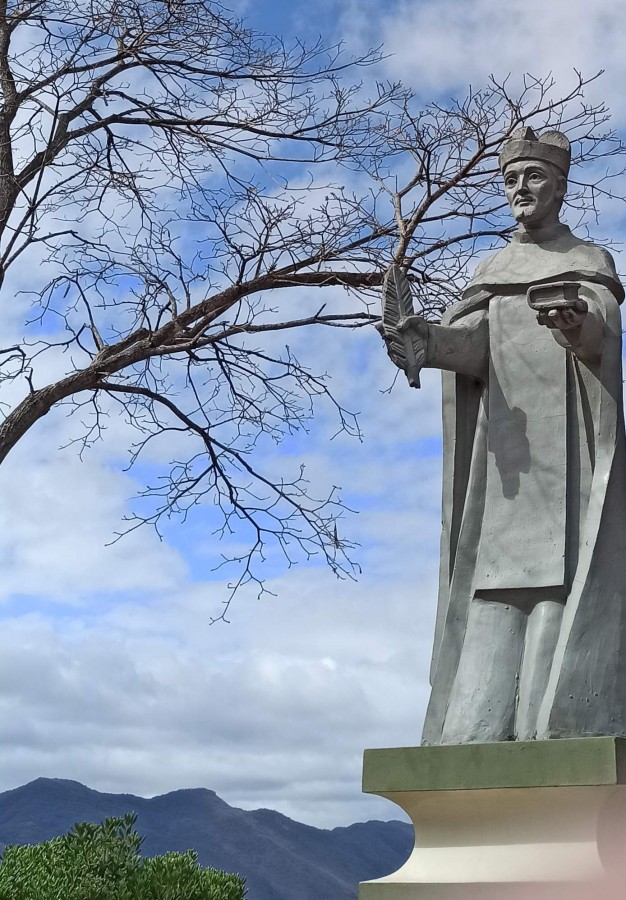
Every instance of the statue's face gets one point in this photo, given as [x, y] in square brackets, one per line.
[535, 191]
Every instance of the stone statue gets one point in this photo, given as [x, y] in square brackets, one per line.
[530, 639]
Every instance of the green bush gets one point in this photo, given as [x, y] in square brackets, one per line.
[102, 862]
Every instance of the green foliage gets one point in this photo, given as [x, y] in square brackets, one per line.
[102, 862]
[177, 876]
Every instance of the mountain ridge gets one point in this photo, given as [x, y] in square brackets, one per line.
[281, 859]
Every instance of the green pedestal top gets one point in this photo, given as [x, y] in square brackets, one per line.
[514, 764]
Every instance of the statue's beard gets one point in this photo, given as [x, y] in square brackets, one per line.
[535, 211]
[523, 213]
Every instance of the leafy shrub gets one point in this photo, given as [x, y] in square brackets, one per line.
[102, 862]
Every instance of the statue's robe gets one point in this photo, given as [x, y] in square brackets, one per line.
[534, 496]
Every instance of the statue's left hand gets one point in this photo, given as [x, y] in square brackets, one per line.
[563, 318]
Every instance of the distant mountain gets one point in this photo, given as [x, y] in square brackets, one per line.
[280, 859]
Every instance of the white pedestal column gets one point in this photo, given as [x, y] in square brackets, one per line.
[525, 838]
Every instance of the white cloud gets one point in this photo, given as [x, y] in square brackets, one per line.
[124, 685]
[442, 46]
[58, 514]
[111, 672]
[273, 710]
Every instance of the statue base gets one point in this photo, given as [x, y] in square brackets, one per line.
[536, 819]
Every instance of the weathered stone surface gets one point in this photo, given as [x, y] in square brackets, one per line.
[530, 639]
[574, 762]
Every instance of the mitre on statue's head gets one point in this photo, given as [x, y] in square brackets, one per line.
[551, 146]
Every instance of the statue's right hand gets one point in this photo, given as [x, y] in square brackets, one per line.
[417, 323]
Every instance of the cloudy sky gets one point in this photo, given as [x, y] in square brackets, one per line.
[111, 671]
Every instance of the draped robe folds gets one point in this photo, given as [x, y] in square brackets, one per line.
[534, 495]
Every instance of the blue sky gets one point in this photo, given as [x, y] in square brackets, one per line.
[112, 673]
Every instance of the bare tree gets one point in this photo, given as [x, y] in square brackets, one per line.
[171, 181]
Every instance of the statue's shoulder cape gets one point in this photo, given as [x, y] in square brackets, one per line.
[560, 256]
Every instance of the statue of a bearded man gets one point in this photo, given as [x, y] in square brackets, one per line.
[530, 639]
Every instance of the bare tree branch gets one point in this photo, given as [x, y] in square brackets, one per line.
[177, 188]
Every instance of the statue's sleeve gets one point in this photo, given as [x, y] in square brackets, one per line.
[462, 347]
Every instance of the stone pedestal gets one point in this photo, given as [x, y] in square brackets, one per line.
[543, 819]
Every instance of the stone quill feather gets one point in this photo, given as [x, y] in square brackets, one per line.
[406, 350]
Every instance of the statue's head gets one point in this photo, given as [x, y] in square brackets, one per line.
[535, 175]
